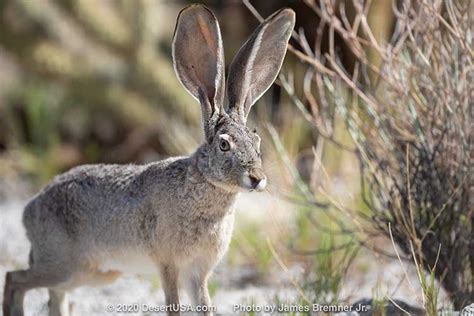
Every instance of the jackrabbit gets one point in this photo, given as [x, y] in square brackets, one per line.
[94, 222]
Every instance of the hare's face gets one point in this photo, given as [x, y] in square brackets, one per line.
[231, 158]
[235, 161]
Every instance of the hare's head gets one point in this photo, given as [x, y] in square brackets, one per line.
[231, 158]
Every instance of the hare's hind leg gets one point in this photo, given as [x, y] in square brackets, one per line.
[13, 294]
[18, 282]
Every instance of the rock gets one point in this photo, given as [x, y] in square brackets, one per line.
[391, 309]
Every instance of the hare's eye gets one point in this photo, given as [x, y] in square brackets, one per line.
[224, 145]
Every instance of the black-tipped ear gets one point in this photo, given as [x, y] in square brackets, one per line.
[198, 59]
[256, 65]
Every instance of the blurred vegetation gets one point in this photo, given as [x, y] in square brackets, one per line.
[103, 72]
[96, 84]
[407, 104]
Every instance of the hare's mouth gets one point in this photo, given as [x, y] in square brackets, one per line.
[253, 182]
[249, 181]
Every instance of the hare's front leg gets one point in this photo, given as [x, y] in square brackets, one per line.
[169, 277]
[58, 303]
[196, 277]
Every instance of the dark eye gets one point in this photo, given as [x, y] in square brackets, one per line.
[224, 145]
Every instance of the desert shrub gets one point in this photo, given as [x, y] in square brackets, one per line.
[406, 100]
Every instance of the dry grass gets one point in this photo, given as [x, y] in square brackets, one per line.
[407, 103]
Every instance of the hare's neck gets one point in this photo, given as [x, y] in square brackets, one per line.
[211, 193]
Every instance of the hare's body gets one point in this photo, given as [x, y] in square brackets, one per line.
[174, 216]
[160, 213]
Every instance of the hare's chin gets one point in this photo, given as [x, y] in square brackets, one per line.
[228, 187]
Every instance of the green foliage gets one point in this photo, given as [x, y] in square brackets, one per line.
[430, 290]
[41, 114]
[379, 303]
[324, 283]
[155, 282]
[249, 242]
[212, 286]
[34, 115]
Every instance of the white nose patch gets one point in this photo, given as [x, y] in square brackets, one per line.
[262, 184]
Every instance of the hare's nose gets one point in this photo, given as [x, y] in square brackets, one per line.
[258, 182]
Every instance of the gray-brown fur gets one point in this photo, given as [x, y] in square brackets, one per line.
[94, 222]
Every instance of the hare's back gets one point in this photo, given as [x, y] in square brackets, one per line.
[92, 183]
[80, 196]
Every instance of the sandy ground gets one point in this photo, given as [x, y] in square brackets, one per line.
[380, 277]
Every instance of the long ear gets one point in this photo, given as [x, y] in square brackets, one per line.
[198, 59]
[256, 65]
